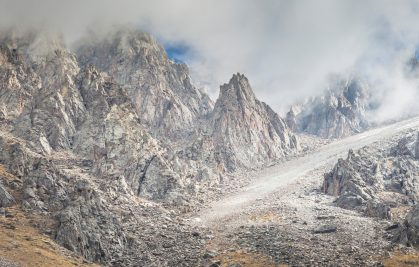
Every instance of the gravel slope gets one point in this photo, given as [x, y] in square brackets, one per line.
[271, 179]
[281, 216]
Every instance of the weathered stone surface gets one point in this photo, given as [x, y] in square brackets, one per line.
[325, 229]
[164, 97]
[375, 180]
[94, 139]
[408, 233]
[51, 119]
[247, 132]
[117, 144]
[340, 112]
[6, 199]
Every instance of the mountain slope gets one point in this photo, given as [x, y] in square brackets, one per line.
[163, 95]
[102, 142]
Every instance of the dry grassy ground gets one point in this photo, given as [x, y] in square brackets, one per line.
[402, 260]
[23, 244]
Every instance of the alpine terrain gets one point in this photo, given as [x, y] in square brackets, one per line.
[116, 148]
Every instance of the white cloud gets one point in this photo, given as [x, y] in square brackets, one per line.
[286, 48]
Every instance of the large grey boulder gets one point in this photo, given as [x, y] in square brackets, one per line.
[408, 233]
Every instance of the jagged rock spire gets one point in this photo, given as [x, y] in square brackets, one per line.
[237, 92]
[417, 147]
[248, 132]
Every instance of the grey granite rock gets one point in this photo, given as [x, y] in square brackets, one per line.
[102, 141]
[6, 199]
[340, 112]
[247, 132]
[374, 180]
[164, 97]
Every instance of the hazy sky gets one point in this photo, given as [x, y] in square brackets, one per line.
[285, 48]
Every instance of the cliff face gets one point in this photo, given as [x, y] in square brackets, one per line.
[248, 132]
[340, 112]
[88, 135]
[163, 95]
[73, 138]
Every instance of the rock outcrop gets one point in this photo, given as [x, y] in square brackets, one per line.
[95, 217]
[247, 132]
[340, 112]
[375, 180]
[408, 233]
[6, 199]
[73, 137]
[18, 80]
[165, 99]
[94, 138]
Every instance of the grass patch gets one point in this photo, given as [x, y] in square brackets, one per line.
[268, 217]
[246, 259]
[22, 243]
[399, 259]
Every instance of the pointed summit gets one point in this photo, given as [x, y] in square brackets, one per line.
[338, 112]
[236, 93]
[248, 132]
[166, 100]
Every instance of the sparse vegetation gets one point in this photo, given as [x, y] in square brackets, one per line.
[400, 259]
[22, 243]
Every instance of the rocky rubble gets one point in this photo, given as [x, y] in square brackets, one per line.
[291, 246]
[340, 112]
[94, 217]
[381, 182]
[300, 226]
[376, 180]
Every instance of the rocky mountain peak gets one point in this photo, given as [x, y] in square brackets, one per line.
[237, 92]
[32, 45]
[339, 112]
[91, 131]
[161, 90]
[121, 44]
[246, 131]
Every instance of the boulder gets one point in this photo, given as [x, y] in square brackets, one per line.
[6, 199]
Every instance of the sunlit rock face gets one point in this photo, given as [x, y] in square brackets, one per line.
[248, 132]
[340, 112]
[132, 113]
[57, 105]
[163, 95]
[374, 180]
[89, 133]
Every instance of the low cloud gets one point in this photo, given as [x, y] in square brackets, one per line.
[286, 48]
